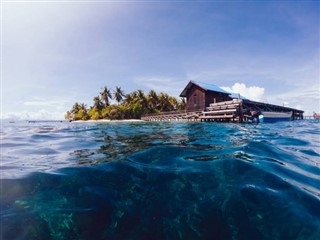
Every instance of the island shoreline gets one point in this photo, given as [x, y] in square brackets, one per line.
[107, 121]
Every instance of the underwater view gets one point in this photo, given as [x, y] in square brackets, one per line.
[160, 180]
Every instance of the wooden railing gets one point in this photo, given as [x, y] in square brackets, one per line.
[165, 113]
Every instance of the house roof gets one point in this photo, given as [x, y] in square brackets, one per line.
[237, 95]
[205, 86]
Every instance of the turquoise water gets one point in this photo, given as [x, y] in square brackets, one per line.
[160, 180]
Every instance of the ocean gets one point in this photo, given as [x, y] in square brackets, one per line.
[160, 180]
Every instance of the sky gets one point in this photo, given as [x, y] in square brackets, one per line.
[56, 53]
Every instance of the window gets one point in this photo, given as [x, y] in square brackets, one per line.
[195, 99]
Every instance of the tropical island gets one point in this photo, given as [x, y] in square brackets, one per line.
[128, 106]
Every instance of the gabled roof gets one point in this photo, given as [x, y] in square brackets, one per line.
[205, 86]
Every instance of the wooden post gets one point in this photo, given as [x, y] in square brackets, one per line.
[241, 112]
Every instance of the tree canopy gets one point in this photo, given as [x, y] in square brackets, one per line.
[130, 105]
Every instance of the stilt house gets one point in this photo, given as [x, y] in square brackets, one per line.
[208, 102]
[200, 96]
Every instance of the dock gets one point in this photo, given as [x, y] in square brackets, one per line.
[236, 110]
[170, 116]
[210, 103]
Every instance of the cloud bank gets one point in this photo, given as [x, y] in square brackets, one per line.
[253, 93]
[41, 114]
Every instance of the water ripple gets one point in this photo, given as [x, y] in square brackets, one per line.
[160, 181]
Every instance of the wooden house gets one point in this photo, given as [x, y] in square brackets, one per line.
[200, 95]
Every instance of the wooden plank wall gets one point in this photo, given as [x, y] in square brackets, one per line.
[195, 99]
[198, 99]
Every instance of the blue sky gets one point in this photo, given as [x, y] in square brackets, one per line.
[55, 53]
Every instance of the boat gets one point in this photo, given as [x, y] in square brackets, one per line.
[316, 115]
[266, 116]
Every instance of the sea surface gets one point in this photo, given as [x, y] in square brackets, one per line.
[160, 180]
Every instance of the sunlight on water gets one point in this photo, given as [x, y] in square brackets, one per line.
[160, 180]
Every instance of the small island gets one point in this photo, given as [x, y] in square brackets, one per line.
[128, 106]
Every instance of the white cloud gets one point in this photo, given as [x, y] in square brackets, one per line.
[253, 93]
[41, 114]
[43, 103]
[38, 108]
[306, 99]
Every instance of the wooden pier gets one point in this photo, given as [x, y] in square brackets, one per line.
[209, 103]
[220, 112]
[170, 116]
[236, 110]
[223, 112]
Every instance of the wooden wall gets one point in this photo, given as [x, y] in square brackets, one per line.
[212, 97]
[195, 99]
[198, 99]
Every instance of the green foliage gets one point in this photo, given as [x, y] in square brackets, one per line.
[78, 112]
[113, 112]
[153, 101]
[81, 115]
[131, 105]
[94, 113]
[126, 111]
[182, 104]
[137, 110]
[68, 116]
[97, 103]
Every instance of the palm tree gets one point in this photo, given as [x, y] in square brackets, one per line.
[118, 94]
[97, 103]
[141, 98]
[152, 100]
[78, 112]
[83, 112]
[128, 98]
[182, 104]
[134, 96]
[105, 95]
[173, 103]
[164, 102]
[75, 108]
[83, 106]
